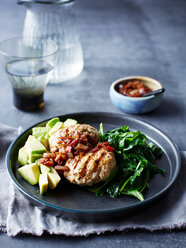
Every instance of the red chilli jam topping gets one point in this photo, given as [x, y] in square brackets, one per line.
[134, 88]
[69, 147]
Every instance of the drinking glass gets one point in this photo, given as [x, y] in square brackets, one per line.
[28, 64]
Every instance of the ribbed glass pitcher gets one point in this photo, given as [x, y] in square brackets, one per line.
[56, 20]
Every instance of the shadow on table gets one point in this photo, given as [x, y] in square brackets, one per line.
[168, 108]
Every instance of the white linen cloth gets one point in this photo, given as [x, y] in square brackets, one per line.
[18, 215]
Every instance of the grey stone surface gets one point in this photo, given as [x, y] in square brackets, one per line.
[117, 240]
[119, 38]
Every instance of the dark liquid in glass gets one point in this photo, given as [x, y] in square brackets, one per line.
[28, 103]
[29, 78]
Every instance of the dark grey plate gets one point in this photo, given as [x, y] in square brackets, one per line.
[73, 201]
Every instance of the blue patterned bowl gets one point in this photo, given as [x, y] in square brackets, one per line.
[136, 105]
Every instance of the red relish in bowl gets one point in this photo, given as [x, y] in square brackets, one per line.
[133, 88]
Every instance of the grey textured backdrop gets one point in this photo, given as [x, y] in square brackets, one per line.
[119, 38]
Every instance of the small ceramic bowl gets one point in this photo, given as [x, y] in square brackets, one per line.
[136, 105]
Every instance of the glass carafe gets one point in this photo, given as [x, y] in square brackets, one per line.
[56, 20]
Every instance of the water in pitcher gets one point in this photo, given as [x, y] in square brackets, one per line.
[70, 63]
[56, 22]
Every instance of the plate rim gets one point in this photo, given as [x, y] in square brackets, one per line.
[85, 211]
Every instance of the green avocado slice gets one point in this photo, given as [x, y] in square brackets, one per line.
[30, 173]
[51, 123]
[35, 148]
[44, 168]
[39, 131]
[43, 183]
[23, 156]
[44, 141]
[56, 127]
[53, 178]
[69, 122]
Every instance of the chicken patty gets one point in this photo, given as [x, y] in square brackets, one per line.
[73, 132]
[78, 153]
[92, 168]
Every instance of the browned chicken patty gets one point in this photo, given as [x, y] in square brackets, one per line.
[87, 163]
[73, 132]
[92, 168]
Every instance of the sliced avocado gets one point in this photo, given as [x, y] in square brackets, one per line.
[51, 123]
[69, 122]
[43, 183]
[47, 136]
[37, 161]
[35, 148]
[34, 157]
[31, 138]
[44, 141]
[23, 156]
[39, 131]
[30, 173]
[56, 127]
[44, 168]
[53, 178]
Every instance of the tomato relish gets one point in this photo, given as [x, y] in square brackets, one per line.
[133, 88]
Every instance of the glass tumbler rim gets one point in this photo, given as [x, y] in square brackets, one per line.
[5, 53]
